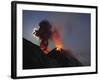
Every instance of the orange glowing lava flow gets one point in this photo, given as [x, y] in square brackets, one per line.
[57, 40]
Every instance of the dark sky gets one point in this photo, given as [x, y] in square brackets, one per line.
[74, 29]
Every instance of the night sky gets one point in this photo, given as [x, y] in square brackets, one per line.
[74, 29]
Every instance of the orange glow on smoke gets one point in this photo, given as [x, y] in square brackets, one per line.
[44, 49]
[57, 40]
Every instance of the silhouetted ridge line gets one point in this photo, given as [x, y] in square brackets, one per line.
[33, 57]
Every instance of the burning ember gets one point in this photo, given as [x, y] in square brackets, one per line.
[57, 40]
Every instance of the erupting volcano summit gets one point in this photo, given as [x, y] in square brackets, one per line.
[40, 56]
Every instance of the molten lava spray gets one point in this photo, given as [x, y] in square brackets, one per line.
[56, 39]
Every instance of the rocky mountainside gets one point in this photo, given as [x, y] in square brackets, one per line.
[33, 57]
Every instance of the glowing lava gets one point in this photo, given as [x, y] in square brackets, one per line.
[57, 40]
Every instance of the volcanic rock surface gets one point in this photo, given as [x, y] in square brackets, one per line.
[33, 57]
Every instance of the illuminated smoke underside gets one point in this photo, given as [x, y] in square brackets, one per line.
[57, 40]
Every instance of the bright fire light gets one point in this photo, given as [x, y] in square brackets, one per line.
[57, 40]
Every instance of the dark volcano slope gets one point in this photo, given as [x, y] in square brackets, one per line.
[33, 57]
[64, 58]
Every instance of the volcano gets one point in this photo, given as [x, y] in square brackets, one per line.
[34, 57]
[64, 58]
